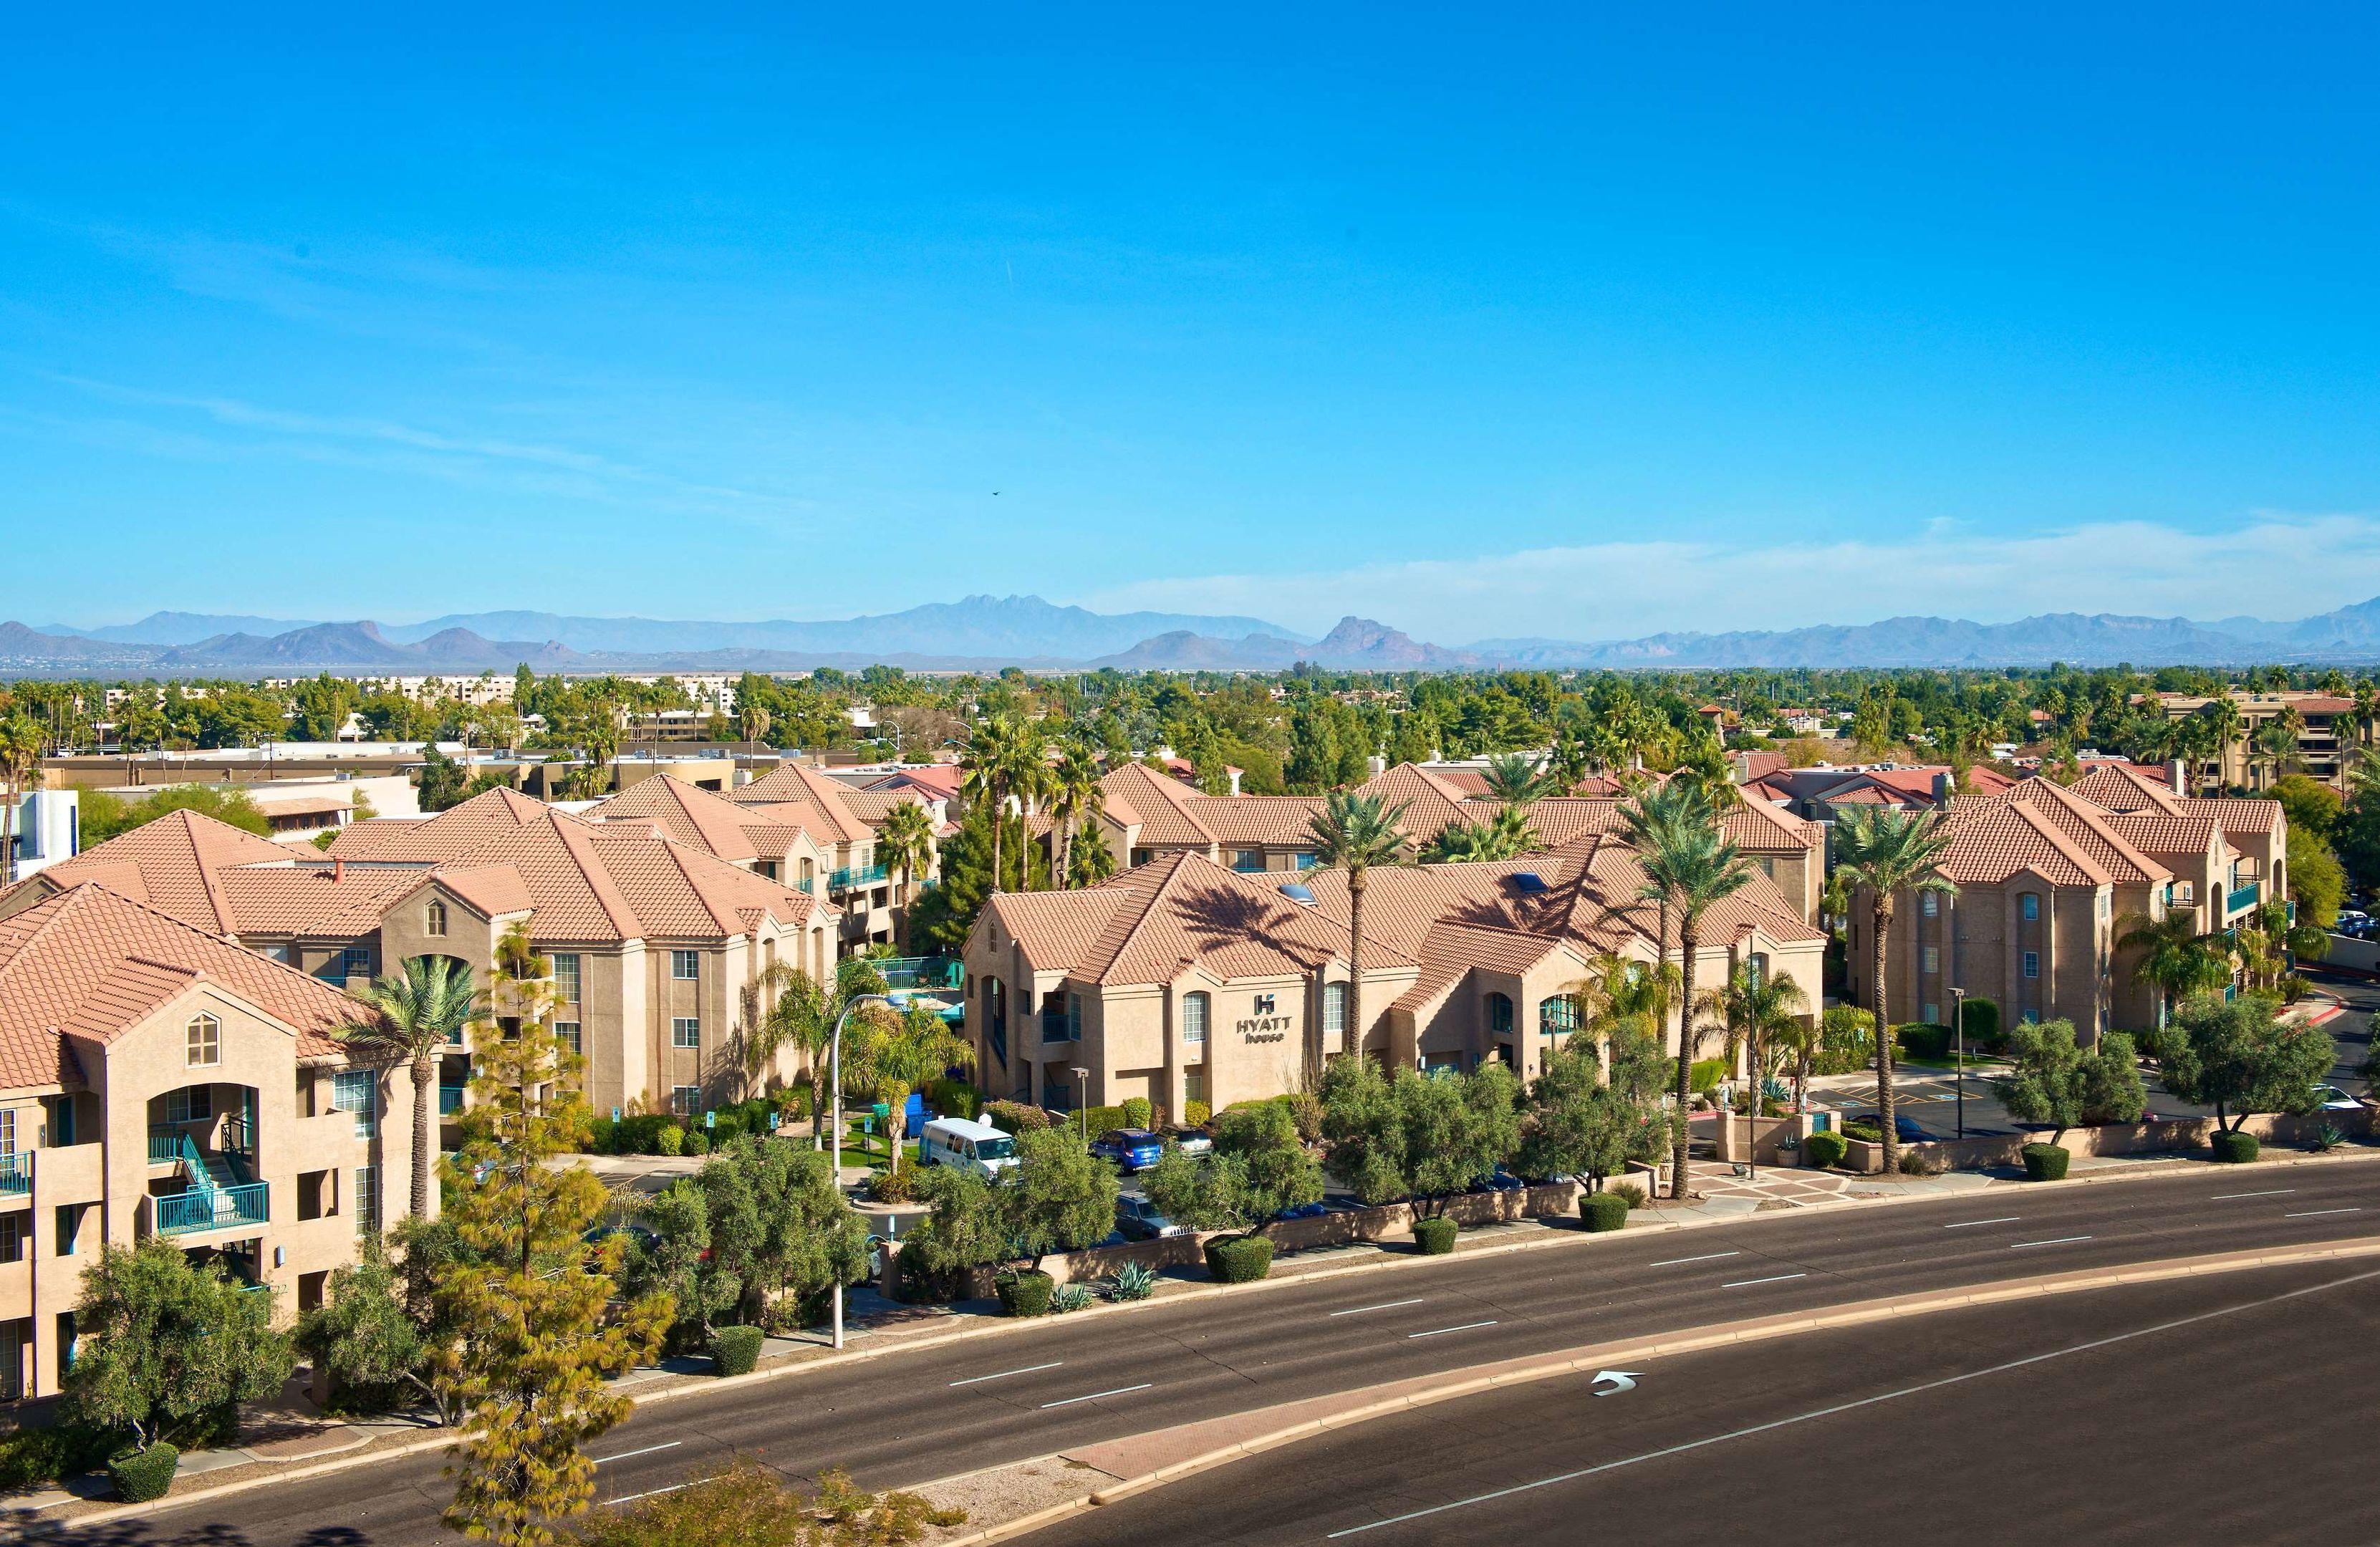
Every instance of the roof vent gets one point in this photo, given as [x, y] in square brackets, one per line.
[1296, 892]
[1528, 881]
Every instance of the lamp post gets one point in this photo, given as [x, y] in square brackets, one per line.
[1082, 1098]
[1958, 1030]
[834, 1097]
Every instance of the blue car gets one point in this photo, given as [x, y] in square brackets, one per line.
[1130, 1149]
[1908, 1131]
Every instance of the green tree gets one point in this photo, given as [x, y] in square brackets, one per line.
[442, 783]
[414, 1017]
[1517, 778]
[1076, 797]
[984, 764]
[1756, 1010]
[2239, 1057]
[1062, 1198]
[895, 1052]
[107, 816]
[166, 1347]
[1358, 834]
[905, 841]
[21, 743]
[1577, 1125]
[1887, 852]
[963, 1228]
[2053, 1080]
[1406, 1135]
[2174, 958]
[779, 1233]
[749, 1505]
[366, 1337]
[1258, 1168]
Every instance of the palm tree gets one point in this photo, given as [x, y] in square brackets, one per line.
[2175, 959]
[1888, 852]
[415, 1016]
[2223, 721]
[1356, 833]
[1503, 836]
[1757, 1009]
[984, 764]
[1076, 794]
[1028, 782]
[20, 756]
[897, 1053]
[1798, 1042]
[1689, 866]
[803, 1018]
[1516, 777]
[907, 839]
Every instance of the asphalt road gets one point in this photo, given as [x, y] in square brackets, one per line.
[2165, 1413]
[913, 1416]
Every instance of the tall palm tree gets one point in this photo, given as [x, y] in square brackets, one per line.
[1798, 1042]
[1516, 777]
[1505, 835]
[22, 744]
[907, 840]
[1689, 866]
[415, 1016]
[2223, 722]
[2175, 959]
[897, 1053]
[1076, 796]
[1028, 782]
[1357, 834]
[803, 1018]
[984, 765]
[1756, 1010]
[1888, 852]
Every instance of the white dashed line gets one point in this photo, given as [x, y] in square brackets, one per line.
[2309, 1213]
[1384, 1305]
[1467, 1326]
[2061, 1240]
[647, 1451]
[1707, 1257]
[1094, 1397]
[1747, 1282]
[1971, 1224]
[1004, 1374]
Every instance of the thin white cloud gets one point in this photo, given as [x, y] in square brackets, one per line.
[2269, 565]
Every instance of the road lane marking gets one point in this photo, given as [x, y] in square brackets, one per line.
[1070, 1401]
[2270, 1192]
[647, 1451]
[2059, 1240]
[1707, 1257]
[651, 1493]
[2309, 1213]
[1839, 1409]
[1384, 1305]
[1004, 1374]
[1971, 1224]
[1747, 1282]
[1467, 1326]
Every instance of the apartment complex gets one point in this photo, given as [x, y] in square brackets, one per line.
[2050, 877]
[158, 1079]
[2326, 733]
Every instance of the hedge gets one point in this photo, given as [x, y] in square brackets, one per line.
[49, 1453]
[1026, 1293]
[1014, 1117]
[953, 1098]
[1826, 1150]
[1137, 1112]
[2231, 1145]
[1982, 1024]
[1238, 1258]
[734, 1350]
[2045, 1163]
[143, 1475]
[1920, 1038]
[1703, 1078]
[1435, 1237]
[1194, 1113]
[1603, 1211]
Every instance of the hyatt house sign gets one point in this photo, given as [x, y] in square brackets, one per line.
[1265, 1023]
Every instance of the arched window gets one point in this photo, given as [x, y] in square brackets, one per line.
[1194, 1020]
[1499, 1014]
[1557, 1016]
[435, 918]
[204, 1040]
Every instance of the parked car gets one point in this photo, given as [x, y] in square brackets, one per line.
[2333, 1099]
[1139, 1220]
[1907, 1129]
[1499, 1180]
[1129, 1148]
[1304, 1211]
[1190, 1141]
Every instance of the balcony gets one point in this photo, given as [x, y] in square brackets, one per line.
[450, 1100]
[213, 1208]
[2241, 898]
[16, 1175]
[804, 885]
[922, 972]
[844, 879]
[1057, 1026]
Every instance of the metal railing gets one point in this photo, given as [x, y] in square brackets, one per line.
[849, 876]
[2243, 898]
[213, 1208]
[450, 1100]
[922, 972]
[16, 1174]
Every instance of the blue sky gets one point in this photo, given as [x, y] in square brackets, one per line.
[1572, 321]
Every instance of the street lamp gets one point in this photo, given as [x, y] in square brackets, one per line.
[835, 1079]
[1959, 1028]
[1082, 1097]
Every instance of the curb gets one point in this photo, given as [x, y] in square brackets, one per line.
[1589, 1358]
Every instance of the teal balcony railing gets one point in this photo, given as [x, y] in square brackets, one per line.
[2243, 898]
[805, 884]
[16, 1175]
[844, 879]
[450, 1100]
[213, 1208]
[922, 972]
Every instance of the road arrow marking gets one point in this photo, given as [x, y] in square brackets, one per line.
[1622, 1379]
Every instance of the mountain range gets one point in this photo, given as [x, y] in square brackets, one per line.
[981, 633]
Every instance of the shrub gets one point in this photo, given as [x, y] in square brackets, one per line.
[1138, 1112]
[602, 1136]
[2329, 1139]
[143, 1475]
[670, 1141]
[727, 1130]
[1015, 1117]
[1132, 1281]
[696, 1142]
[1305, 1111]
[1436, 1236]
[1638, 1197]
[892, 1187]
[953, 1098]
[1924, 1039]
[1026, 1294]
[1238, 1258]
[1097, 1120]
[2045, 1163]
[1866, 1133]
[735, 1350]
[1603, 1211]
[1826, 1150]
[1069, 1296]
[1195, 1113]
[29, 1457]
[1917, 1163]
[1982, 1022]
[1705, 1074]
[2233, 1147]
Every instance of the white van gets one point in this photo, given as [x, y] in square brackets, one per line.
[972, 1146]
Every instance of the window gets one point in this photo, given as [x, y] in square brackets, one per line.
[433, 917]
[69, 1228]
[1193, 1084]
[2032, 964]
[685, 966]
[274, 953]
[1933, 1013]
[355, 962]
[2030, 905]
[2031, 1017]
[203, 1040]
[1073, 1017]
[1933, 962]
[2103, 908]
[351, 1091]
[191, 1104]
[1929, 903]
[1194, 1020]
[7, 1130]
[565, 977]
[685, 1099]
[1499, 1014]
[569, 1031]
[1246, 860]
[367, 1200]
[1334, 1012]
[686, 1031]
[1558, 1017]
[16, 1229]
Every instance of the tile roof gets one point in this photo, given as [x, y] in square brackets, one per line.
[875, 803]
[829, 815]
[1138, 795]
[174, 864]
[2125, 787]
[90, 962]
[454, 831]
[2083, 823]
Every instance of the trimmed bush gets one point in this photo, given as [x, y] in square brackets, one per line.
[1826, 1150]
[1984, 1033]
[1924, 1039]
[1138, 1112]
[1097, 1120]
[1015, 1117]
[2234, 1147]
[1238, 1258]
[49, 1453]
[143, 1475]
[696, 1142]
[1603, 1211]
[1026, 1294]
[1703, 1078]
[1866, 1133]
[1435, 1237]
[1194, 1113]
[670, 1141]
[735, 1350]
[2045, 1163]
[892, 1187]
[729, 1128]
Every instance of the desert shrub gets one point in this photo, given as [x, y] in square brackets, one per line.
[1603, 1211]
[735, 1350]
[1825, 1151]
[1638, 1197]
[1705, 1074]
[696, 1142]
[2234, 1147]
[671, 1141]
[1435, 1237]
[143, 1475]
[2045, 1163]
[2329, 1139]
[1195, 1112]
[1305, 1111]
[1070, 1297]
[1132, 1281]
[1026, 1294]
[1917, 1163]
[1238, 1258]
[1138, 1112]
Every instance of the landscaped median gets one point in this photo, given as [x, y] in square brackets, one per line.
[1138, 1462]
